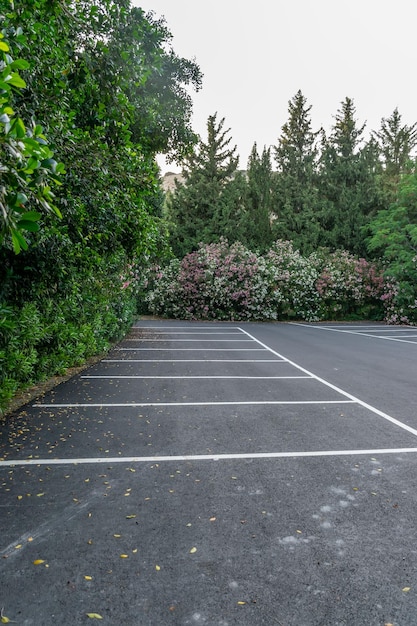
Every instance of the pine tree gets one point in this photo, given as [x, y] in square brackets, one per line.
[258, 200]
[295, 196]
[396, 143]
[348, 182]
[199, 204]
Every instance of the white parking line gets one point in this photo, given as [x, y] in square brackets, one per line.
[344, 393]
[199, 340]
[192, 361]
[352, 332]
[196, 349]
[201, 377]
[225, 403]
[163, 328]
[184, 332]
[206, 457]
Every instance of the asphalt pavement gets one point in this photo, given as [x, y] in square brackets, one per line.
[218, 474]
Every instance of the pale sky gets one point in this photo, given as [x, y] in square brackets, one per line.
[256, 56]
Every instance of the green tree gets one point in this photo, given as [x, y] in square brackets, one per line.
[394, 237]
[105, 87]
[258, 200]
[295, 197]
[348, 182]
[396, 143]
[27, 166]
[201, 203]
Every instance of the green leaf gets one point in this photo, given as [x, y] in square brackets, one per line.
[20, 64]
[33, 216]
[28, 225]
[18, 241]
[4, 47]
[18, 128]
[16, 80]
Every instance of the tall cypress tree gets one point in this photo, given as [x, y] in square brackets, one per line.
[200, 202]
[396, 143]
[348, 182]
[258, 200]
[295, 197]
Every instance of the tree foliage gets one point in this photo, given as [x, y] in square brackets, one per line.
[295, 198]
[259, 200]
[348, 182]
[97, 86]
[393, 235]
[201, 203]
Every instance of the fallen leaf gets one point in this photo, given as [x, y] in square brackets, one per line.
[135, 550]
[3, 618]
[18, 546]
[130, 516]
[193, 550]
[117, 536]
[212, 519]
[124, 556]
[241, 602]
[157, 567]
[406, 589]
[39, 495]
[19, 497]
[88, 577]
[94, 616]
[38, 562]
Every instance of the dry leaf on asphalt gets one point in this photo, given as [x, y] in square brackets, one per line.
[94, 616]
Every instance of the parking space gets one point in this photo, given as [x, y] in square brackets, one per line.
[406, 334]
[200, 475]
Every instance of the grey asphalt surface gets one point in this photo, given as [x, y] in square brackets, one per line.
[203, 475]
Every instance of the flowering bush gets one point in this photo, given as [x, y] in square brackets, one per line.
[217, 281]
[222, 281]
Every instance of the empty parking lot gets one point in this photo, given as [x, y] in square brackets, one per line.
[219, 473]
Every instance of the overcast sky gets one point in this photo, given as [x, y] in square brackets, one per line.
[255, 56]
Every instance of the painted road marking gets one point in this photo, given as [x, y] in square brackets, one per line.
[185, 332]
[192, 361]
[202, 377]
[206, 457]
[352, 332]
[199, 340]
[162, 328]
[195, 349]
[225, 403]
[335, 388]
